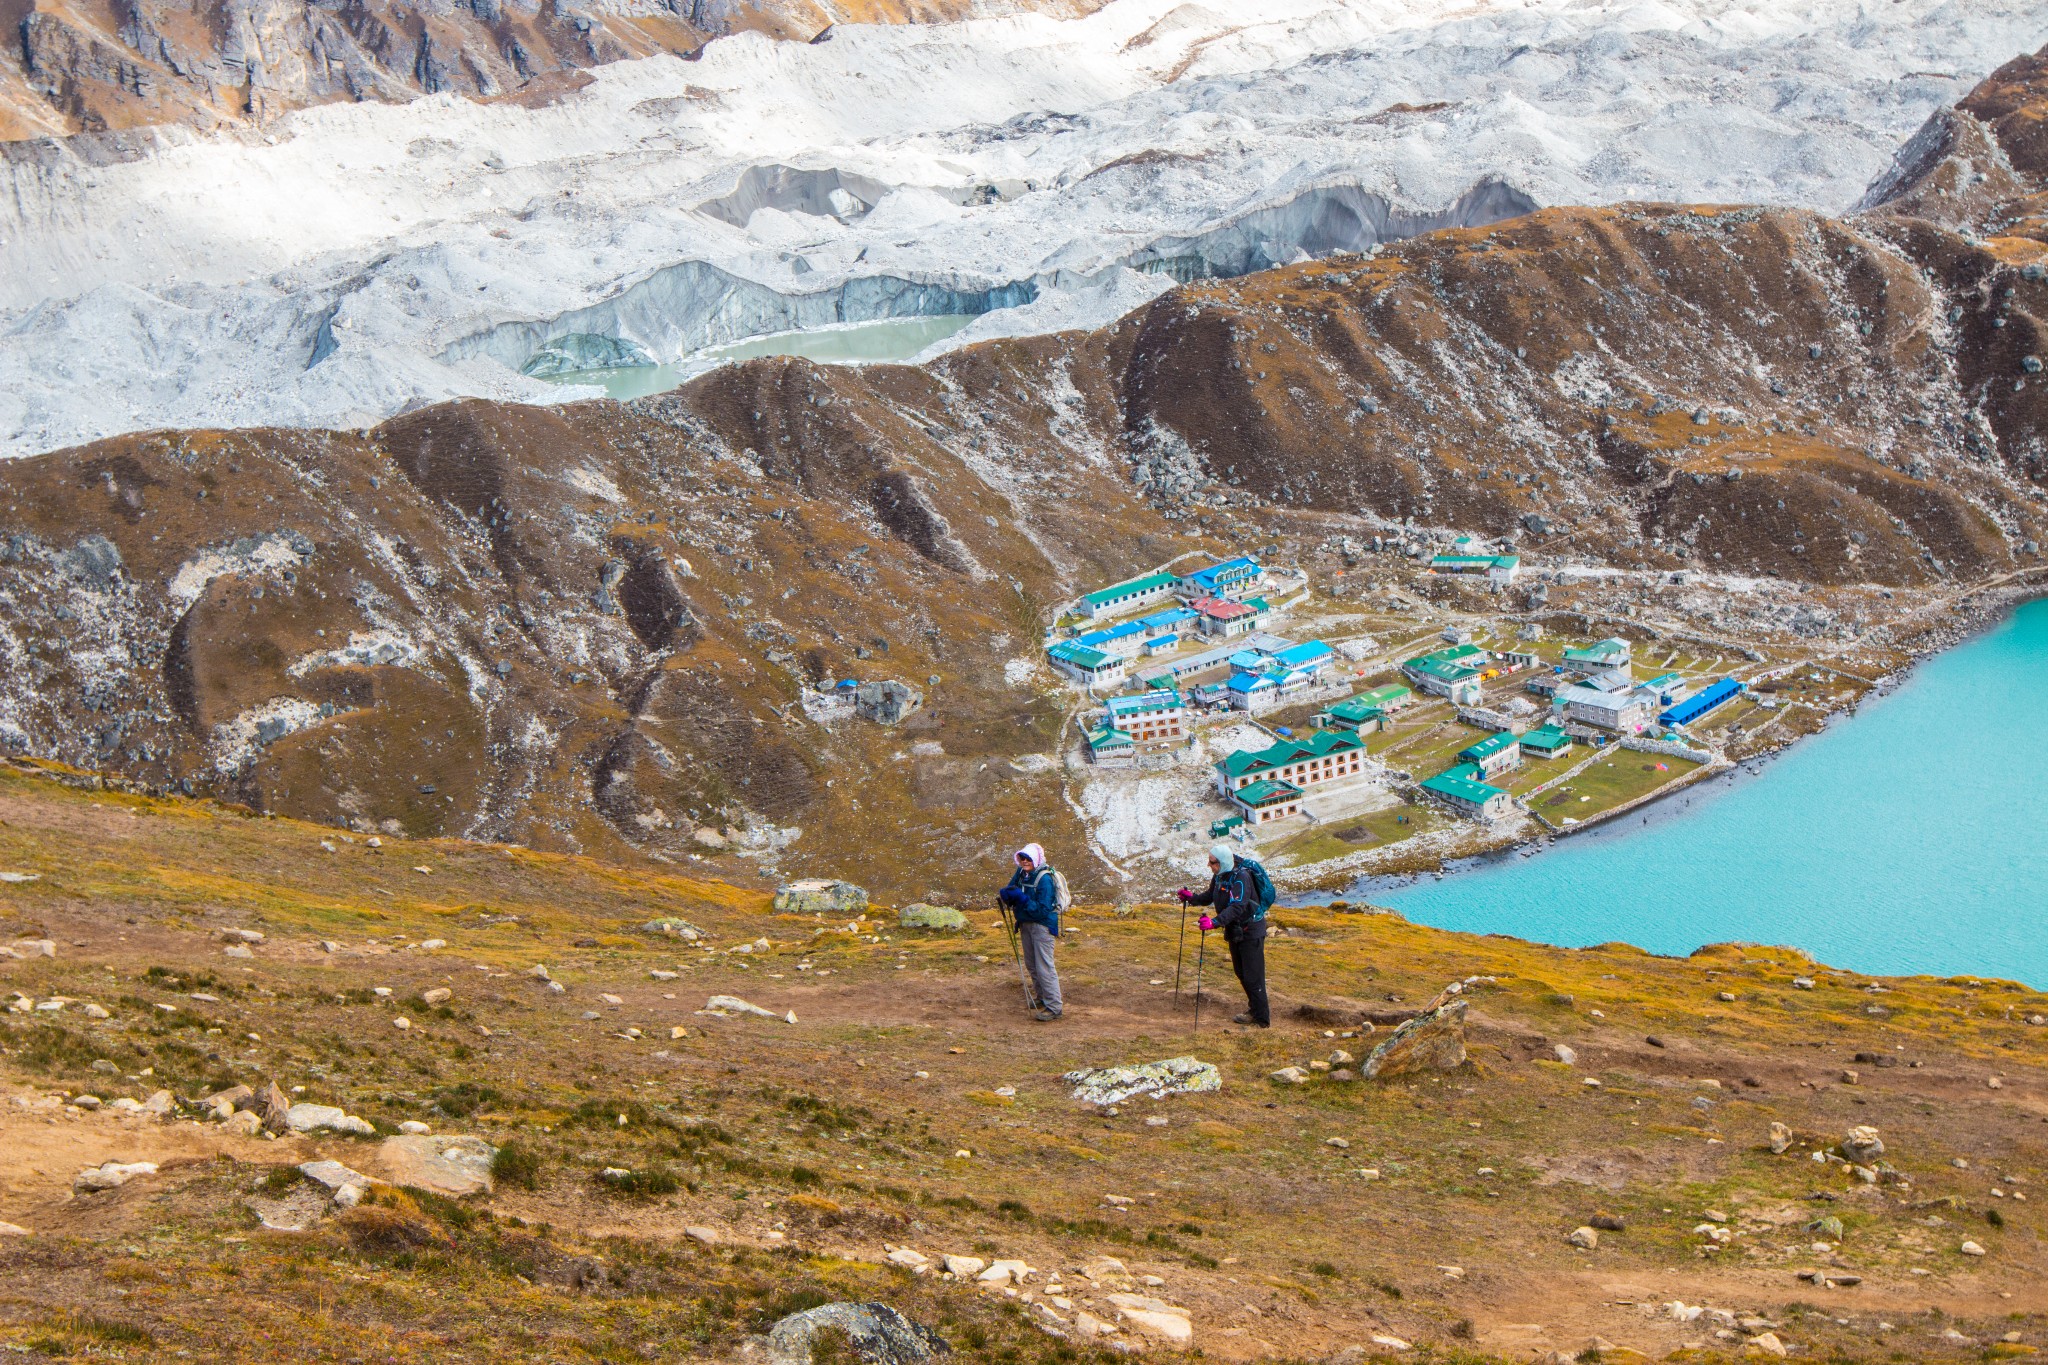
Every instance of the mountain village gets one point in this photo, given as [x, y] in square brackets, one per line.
[1327, 753]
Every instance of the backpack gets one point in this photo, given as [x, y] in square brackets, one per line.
[1263, 894]
[1062, 898]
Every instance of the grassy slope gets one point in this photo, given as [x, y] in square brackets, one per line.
[845, 1131]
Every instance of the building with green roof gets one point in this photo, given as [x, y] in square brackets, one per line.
[1599, 656]
[1460, 790]
[1128, 596]
[1494, 755]
[1354, 714]
[1264, 802]
[1547, 742]
[1320, 756]
[1441, 671]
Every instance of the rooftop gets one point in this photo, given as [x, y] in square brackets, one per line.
[1266, 793]
[1142, 701]
[1488, 747]
[1131, 588]
[1223, 609]
[1317, 744]
[1457, 784]
[1080, 655]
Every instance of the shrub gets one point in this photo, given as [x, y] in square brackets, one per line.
[642, 1184]
[515, 1165]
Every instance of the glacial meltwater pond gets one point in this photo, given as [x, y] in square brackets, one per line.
[1911, 837]
[878, 342]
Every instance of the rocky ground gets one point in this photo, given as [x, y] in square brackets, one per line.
[1627, 1153]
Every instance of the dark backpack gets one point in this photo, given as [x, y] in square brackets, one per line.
[1263, 894]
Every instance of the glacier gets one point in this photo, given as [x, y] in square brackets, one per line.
[350, 262]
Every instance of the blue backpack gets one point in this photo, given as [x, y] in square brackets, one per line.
[1263, 894]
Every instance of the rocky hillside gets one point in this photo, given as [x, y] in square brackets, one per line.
[95, 65]
[585, 628]
[1598, 1155]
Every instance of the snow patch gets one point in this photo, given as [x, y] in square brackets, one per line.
[240, 742]
[365, 649]
[273, 553]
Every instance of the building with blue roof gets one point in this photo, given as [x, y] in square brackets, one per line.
[1708, 698]
[1313, 655]
[1225, 578]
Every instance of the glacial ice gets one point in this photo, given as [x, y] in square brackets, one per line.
[350, 262]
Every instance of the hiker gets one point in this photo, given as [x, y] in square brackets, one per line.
[1034, 898]
[1241, 893]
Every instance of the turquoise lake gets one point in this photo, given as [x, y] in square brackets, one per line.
[1910, 837]
[860, 343]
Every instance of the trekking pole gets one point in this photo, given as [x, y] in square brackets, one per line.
[1201, 955]
[1180, 953]
[1011, 931]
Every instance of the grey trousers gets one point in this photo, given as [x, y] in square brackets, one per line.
[1045, 977]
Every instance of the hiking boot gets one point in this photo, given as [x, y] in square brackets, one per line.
[1246, 1018]
[1045, 1016]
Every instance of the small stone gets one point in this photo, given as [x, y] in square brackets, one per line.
[1971, 1249]
[609, 998]
[1764, 1344]
[1391, 1343]
[401, 1023]
[1862, 1146]
[708, 1236]
[1566, 1054]
[1005, 1272]
[1607, 1222]
[414, 1128]
[440, 995]
[906, 1257]
[1290, 1075]
[1585, 1238]
[1726, 997]
[14, 1230]
[237, 950]
[1802, 983]
[95, 1012]
[966, 1267]
[1337, 1142]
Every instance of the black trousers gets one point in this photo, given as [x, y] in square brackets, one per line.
[1248, 960]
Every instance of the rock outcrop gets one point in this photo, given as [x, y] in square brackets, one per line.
[1432, 1041]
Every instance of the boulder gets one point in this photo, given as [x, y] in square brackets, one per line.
[922, 916]
[878, 1334]
[1432, 1041]
[1586, 1239]
[271, 1106]
[821, 896]
[1154, 1317]
[1862, 1146]
[966, 1267]
[732, 1004]
[335, 1177]
[440, 995]
[311, 1118]
[110, 1175]
[1781, 1138]
[673, 927]
[454, 1164]
[1171, 1076]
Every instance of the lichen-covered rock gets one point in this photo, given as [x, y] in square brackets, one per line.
[453, 1164]
[1172, 1076]
[821, 896]
[922, 916]
[1431, 1041]
[878, 1334]
[674, 927]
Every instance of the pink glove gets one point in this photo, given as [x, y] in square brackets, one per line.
[1185, 895]
[1207, 924]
